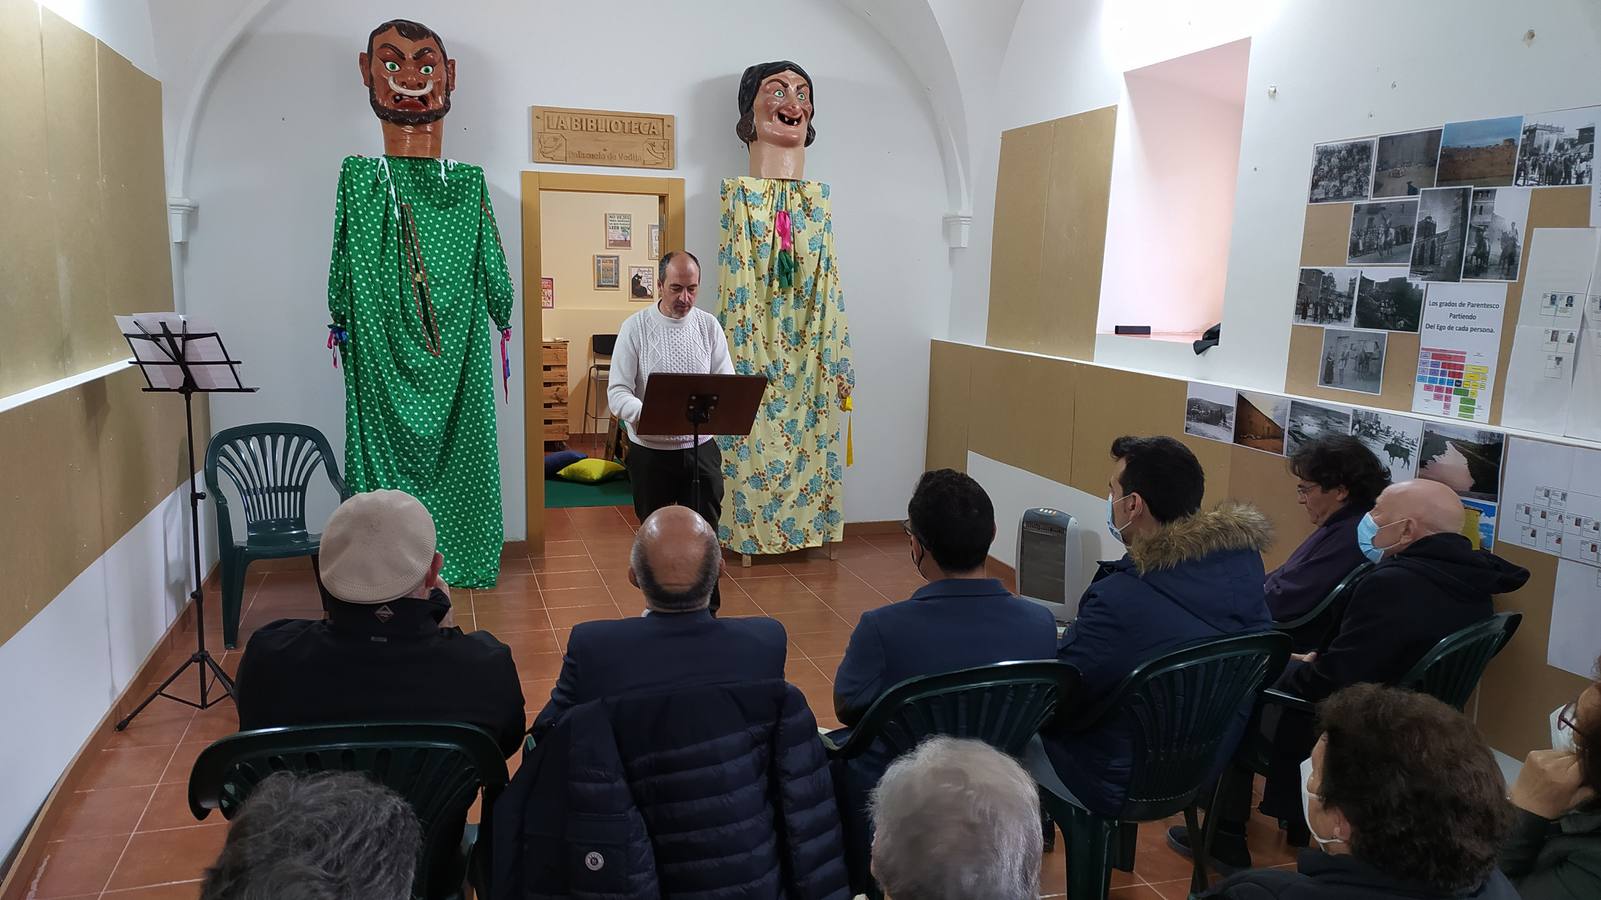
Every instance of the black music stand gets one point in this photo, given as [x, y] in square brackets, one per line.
[188, 363]
[709, 404]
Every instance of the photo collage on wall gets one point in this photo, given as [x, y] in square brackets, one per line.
[1465, 458]
[1431, 207]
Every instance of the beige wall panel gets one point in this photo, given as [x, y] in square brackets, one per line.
[1068, 303]
[950, 368]
[1112, 403]
[1400, 370]
[1264, 481]
[1519, 690]
[1217, 461]
[35, 344]
[1567, 207]
[137, 252]
[1324, 242]
[72, 140]
[1022, 411]
[1015, 260]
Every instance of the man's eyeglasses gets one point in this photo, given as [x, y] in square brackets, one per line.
[906, 526]
[1303, 489]
[1567, 718]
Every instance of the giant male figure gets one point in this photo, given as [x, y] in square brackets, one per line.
[417, 272]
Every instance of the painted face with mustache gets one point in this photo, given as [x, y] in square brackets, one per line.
[408, 81]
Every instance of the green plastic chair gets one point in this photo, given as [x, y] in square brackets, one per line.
[1183, 706]
[271, 466]
[1308, 631]
[1002, 705]
[439, 767]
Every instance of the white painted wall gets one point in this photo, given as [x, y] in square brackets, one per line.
[288, 105]
[1013, 491]
[1341, 69]
[82, 650]
[122, 25]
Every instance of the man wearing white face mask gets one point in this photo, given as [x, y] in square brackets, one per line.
[1404, 800]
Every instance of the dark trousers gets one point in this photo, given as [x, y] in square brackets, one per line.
[666, 478]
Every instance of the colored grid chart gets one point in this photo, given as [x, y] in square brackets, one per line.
[1452, 385]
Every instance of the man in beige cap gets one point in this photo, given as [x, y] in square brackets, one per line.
[386, 651]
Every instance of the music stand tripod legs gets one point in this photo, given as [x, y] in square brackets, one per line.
[201, 658]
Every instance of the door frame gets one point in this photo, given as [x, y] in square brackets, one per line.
[670, 192]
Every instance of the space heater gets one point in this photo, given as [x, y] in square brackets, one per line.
[1048, 561]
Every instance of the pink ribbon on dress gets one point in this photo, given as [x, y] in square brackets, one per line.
[786, 238]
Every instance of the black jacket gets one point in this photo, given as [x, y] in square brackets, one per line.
[1401, 609]
[613, 657]
[713, 793]
[380, 663]
[1558, 860]
[1321, 876]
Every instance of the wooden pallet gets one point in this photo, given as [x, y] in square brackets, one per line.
[553, 360]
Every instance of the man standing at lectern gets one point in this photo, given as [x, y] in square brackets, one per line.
[672, 336]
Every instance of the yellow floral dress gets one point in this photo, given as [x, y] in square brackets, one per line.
[781, 304]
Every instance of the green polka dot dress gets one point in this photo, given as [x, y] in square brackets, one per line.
[419, 380]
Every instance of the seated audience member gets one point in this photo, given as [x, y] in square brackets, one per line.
[959, 620]
[676, 562]
[1428, 582]
[956, 820]
[1404, 800]
[383, 653]
[1188, 576]
[326, 836]
[1555, 849]
[1339, 479]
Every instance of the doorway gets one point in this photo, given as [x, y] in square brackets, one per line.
[590, 256]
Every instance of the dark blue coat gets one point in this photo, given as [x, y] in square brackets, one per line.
[704, 794]
[1327, 555]
[945, 626]
[1195, 579]
[662, 651]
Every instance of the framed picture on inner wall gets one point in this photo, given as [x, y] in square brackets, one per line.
[607, 269]
[619, 231]
[655, 242]
[547, 293]
[641, 283]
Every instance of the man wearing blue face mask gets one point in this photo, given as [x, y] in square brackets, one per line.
[1189, 575]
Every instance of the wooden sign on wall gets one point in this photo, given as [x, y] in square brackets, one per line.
[597, 137]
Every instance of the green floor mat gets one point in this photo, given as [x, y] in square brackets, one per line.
[561, 494]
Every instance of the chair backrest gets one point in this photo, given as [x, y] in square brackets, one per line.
[602, 344]
[1003, 705]
[1308, 630]
[1183, 706]
[439, 767]
[271, 465]
[1451, 670]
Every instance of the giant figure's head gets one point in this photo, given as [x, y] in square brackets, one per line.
[408, 76]
[775, 106]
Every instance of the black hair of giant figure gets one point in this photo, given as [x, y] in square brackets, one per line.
[751, 82]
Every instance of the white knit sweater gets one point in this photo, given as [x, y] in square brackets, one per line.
[650, 342]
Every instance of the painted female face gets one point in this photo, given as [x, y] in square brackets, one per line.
[408, 82]
[783, 110]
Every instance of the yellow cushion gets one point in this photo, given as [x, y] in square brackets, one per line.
[591, 471]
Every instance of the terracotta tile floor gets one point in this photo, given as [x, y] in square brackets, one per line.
[129, 833]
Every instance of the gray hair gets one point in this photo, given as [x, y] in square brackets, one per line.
[697, 596]
[333, 835]
[669, 256]
[956, 820]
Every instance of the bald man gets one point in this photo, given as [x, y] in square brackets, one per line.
[675, 564]
[1427, 582]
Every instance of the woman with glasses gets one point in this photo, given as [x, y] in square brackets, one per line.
[1555, 849]
[1339, 479]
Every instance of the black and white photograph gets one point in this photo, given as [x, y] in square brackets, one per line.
[1481, 153]
[1209, 412]
[1558, 148]
[1440, 234]
[1259, 421]
[1326, 296]
[1496, 229]
[1309, 421]
[1341, 171]
[1389, 301]
[1352, 360]
[1405, 163]
[1381, 233]
[1393, 438]
[1463, 458]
